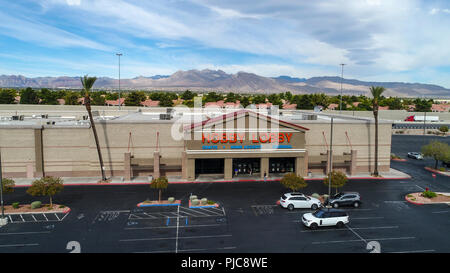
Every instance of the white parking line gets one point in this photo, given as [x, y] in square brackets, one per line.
[365, 218]
[173, 238]
[188, 250]
[420, 188]
[376, 239]
[57, 217]
[23, 233]
[19, 245]
[190, 226]
[344, 229]
[10, 219]
[414, 251]
[45, 216]
[188, 213]
[23, 220]
[32, 215]
[215, 213]
[178, 225]
[443, 211]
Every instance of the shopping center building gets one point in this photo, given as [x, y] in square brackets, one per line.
[186, 145]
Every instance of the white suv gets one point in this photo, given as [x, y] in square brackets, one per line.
[296, 200]
[325, 217]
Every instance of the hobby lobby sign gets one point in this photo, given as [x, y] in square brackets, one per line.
[240, 137]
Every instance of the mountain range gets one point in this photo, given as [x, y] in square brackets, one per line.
[241, 82]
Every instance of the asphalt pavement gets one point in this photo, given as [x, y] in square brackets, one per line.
[106, 219]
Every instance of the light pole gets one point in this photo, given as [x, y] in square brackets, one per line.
[119, 54]
[331, 162]
[342, 78]
[1, 188]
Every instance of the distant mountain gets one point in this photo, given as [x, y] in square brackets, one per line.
[288, 79]
[241, 82]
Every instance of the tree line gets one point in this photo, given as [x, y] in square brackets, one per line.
[166, 98]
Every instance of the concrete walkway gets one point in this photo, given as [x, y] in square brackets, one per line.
[118, 180]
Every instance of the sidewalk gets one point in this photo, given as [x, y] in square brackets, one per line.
[144, 180]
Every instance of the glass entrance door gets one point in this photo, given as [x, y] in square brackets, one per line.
[282, 165]
[246, 166]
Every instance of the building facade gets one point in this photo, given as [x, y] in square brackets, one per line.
[240, 143]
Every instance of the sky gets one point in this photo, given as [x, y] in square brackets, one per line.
[377, 40]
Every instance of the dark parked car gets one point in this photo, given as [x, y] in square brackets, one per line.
[345, 199]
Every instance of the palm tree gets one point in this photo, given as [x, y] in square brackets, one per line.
[376, 93]
[87, 83]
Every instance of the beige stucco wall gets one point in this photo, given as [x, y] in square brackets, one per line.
[72, 152]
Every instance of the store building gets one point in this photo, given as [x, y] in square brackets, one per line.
[241, 143]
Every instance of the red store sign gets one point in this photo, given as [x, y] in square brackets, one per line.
[240, 137]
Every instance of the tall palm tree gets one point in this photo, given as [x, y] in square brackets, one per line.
[87, 83]
[376, 94]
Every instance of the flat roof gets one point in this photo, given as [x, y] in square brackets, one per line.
[185, 115]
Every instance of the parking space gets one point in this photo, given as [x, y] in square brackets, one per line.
[19, 218]
[176, 230]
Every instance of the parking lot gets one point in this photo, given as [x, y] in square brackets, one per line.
[106, 219]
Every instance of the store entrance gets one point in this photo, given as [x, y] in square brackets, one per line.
[282, 165]
[209, 166]
[246, 166]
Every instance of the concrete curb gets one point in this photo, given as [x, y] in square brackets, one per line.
[175, 203]
[205, 206]
[434, 171]
[399, 160]
[420, 204]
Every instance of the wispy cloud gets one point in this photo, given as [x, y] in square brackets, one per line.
[374, 37]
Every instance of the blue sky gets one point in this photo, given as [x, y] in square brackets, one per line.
[379, 40]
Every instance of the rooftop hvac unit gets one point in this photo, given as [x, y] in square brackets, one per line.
[311, 117]
[165, 116]
[44, 116]
[85, 117]
[18, 117]
[51, 123]
[169, 110]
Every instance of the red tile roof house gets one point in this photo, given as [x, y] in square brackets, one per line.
[17, 99]
[61, 101]
[115, 102]
[333, 106]
[411, 107]
[81, 101]
[235, 104]
[264, 105]
[219, 103]
[150, 103]
[440, 107]
[383, 107]
[290, 106]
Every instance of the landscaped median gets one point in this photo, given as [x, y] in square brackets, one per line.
[154, 203]
[194, 202]
[35, 207]
[440, 171]
[428, 197]
[397, 158]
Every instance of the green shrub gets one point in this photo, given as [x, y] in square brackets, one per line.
[36, 204]
[15, 205]
[429, 194]
[410, 195]
[204, 200]
[195, 202]
[61, 206]
[442, 169]
[210, 202]
[171, 199]
[315, 195]
[193, 197]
